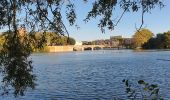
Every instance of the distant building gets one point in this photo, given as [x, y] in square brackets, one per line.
[116, 41]
[128, 41]
[78, 43]
[99, 42]
[107, 42]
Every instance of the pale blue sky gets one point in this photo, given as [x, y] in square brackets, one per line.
[157, 21]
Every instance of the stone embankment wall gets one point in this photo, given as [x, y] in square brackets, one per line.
[72, 48]
[59, 48]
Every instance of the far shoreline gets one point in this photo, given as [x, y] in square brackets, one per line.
[134, 50]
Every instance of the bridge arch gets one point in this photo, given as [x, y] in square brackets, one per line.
[88, 48]
[97, 48]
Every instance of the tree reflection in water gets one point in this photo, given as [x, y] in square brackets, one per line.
[16, 68]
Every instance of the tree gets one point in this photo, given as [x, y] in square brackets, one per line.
[161, 41]
[36, 17]
[167, 39]
[150, 44]
[157, 42]
[141, 37]
[36, 12]
[143, 90]
[71, 41]
[15, 65]
[2, 40]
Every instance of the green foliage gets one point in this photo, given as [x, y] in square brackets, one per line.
[55, 39]
[141, 37]
[71, 41]
[2, 40]
[167, 39]
[104, 9]
[161, 41]
[39, 41]
[15, 65]
[47, 14]
[87, 43]
[144, 91]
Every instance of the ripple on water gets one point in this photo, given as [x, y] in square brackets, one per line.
[95, 75]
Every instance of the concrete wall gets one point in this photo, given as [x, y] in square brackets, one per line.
[59, 48]
[70, 48]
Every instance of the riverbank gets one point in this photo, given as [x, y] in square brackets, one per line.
[71, 48]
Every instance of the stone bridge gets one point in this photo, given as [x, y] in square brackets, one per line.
[74, 48]
[87, 47]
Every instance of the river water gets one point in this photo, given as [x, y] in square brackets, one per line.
[95, 75]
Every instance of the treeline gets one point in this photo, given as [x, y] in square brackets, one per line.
[39, 41]
[145, 39]
[54, 39]
[161, 41]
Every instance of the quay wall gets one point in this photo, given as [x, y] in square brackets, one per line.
[60, 48]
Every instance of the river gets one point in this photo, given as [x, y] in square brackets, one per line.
[95, 75]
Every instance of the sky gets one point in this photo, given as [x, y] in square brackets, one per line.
[157, 21]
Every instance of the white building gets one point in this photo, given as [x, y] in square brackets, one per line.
[78, 43]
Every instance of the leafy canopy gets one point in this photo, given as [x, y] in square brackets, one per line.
[161, 41]
[45, 15]
[141, 37]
